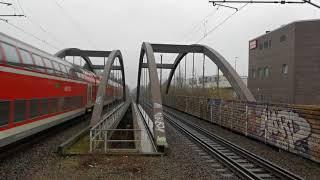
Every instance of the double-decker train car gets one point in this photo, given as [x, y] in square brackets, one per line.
[39, 90]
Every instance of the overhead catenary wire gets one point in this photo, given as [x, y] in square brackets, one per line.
[31, 35]
[31, 20]
[75, 23]
[197, 26]
[266, 2]
[221, 23]
[10, 15]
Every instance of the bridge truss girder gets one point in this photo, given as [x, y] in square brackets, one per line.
[231, 75]
[108, 67]
[182, 50]
[156, 101]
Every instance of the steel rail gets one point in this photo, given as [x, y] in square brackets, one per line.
[252, 158]
[235, 167]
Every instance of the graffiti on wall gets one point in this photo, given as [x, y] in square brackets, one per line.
[285, 129]
[289, 127]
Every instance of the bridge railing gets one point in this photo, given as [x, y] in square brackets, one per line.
[294, 128]
[99, 132]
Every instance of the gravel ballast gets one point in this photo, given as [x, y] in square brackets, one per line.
[180, 163]
[184, 160]
[38, 157]
[41, 162]
[303, 167]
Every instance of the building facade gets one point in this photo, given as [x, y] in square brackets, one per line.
[284, 64]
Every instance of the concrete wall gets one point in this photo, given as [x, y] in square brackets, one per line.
[290, 127]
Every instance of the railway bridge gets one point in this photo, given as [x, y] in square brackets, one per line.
[180, 88]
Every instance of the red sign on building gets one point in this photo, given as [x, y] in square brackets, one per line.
[253, 44]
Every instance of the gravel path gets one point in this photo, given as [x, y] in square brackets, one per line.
[38, 157]
[292, 162]
[182, 162]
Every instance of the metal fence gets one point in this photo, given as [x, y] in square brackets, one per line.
[99, 133]
[295, 128]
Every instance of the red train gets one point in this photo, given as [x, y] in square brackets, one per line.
[39, 90]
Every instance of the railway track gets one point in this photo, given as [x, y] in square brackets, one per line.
[11, 149]
[242, 163]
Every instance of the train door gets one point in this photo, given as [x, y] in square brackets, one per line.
[89, 95]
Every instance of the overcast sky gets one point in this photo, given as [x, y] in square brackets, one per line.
[125, 24]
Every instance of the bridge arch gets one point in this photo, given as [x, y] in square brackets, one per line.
[231, 75]
[75, 52]
[86, 54]
[98, 107]
[156, 101]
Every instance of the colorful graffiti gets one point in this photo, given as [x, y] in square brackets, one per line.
[295, 128]
[285, 129]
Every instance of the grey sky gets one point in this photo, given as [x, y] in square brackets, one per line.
[125, 24]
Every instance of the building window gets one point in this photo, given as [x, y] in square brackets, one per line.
[253, 74]
[284, 69]
[266, 72]
[270, 43]
[283, 38]
[265, 45]
[260, 71]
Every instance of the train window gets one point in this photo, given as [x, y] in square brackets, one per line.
[78, 101]
[1, 54]
[4, 112]
[79, 75]
[39, 63]
[19, 110]
[68, 68]
[34, 108]
[56, 66]
[63, 68]
[65, 102]
[48, 65]
[11, 53]
[44, 106]
[26, 57]
[53, 104]
[72, 73]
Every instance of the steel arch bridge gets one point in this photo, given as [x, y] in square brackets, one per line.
[154, 103]
[149, 49]
[107, 68]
